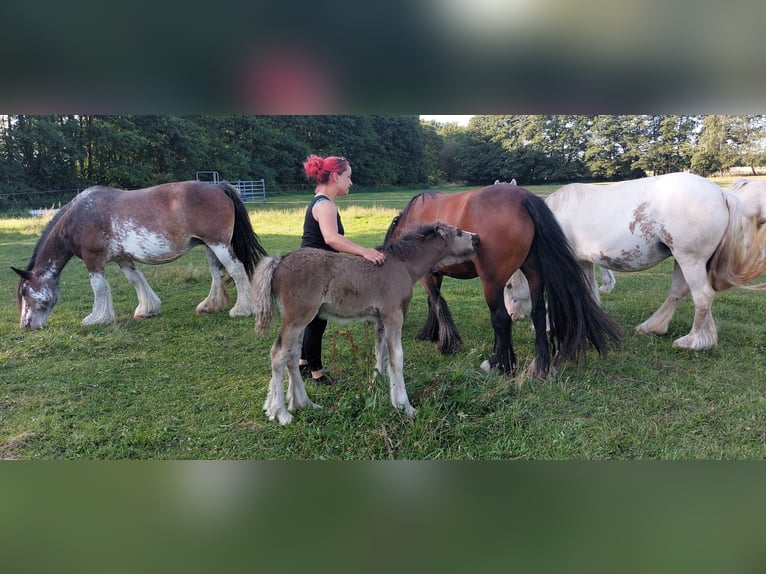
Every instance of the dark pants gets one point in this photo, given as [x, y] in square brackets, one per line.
[311, 350]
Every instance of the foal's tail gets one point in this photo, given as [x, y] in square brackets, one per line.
[263, 297]
[574, 315]
[741, 255]
[244, 241]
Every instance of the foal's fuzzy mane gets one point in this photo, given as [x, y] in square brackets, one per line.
[408, 243]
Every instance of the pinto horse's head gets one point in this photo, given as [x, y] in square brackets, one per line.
[36, 296]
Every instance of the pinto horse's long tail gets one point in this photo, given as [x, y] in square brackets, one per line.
[244, 241]
[741, 255]
[574, 315]
[263, 297]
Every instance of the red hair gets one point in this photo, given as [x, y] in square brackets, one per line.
[321, 168]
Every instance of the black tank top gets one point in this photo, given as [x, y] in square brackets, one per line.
[312, 234]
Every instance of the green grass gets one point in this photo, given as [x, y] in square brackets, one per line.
[181, 386]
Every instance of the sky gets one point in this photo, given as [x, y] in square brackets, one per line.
[461, 120]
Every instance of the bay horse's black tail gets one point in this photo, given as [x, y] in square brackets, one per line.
[575, 316]
[244, 241]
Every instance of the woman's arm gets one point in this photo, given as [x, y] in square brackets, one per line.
[326, 215]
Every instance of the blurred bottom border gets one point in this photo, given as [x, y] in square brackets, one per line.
[375, 516]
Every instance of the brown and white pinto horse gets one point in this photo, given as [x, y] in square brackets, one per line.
[518, 231]
[153, 226]
[716, 238]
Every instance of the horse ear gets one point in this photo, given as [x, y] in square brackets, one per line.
[441, 229]
[22, 274]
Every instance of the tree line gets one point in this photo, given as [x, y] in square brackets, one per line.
[66, 153]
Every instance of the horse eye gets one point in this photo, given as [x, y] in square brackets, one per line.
[460, 233]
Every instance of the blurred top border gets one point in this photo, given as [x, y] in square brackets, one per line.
[443, 56]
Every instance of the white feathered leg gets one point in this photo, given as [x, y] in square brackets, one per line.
[148, 301]
[243, 307]
[217, 299]
[103, 309]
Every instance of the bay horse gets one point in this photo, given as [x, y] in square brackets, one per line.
[518, 231]
[714, 237]
[154, 225]
[341, 288]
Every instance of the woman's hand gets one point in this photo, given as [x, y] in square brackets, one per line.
[375, 256]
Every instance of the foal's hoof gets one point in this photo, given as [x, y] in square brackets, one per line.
[282, 416]
[409, 410]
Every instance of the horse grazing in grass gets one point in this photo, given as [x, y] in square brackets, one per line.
[518, 231]
[634, 225]
[154, 225]
[338, 287]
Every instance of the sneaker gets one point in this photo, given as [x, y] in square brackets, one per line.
[305, 371]
[325, 379]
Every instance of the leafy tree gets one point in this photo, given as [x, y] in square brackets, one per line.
[710, 154]
[745, 136]
[665, 144]
[608, 154]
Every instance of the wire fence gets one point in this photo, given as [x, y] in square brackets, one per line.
[40, 203]
[22, 202]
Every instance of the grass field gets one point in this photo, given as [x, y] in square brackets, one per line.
[182, 386]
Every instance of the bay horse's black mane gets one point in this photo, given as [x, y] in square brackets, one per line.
[422, 195]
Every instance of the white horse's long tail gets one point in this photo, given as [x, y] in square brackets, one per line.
[263, 297]
[741, 255]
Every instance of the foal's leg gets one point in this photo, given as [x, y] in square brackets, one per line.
[296, 390]
[217, 300]
[148, 302]
[243, 307]
[274, 405]
[393, 336]
[659, 321]
[103, 309]
[381, 348]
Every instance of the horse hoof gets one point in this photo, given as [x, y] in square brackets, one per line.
[145, 315]
[89, 321]
[281, 415]
[694, 344]
[234, 312]
[410, 411]
[644, 329]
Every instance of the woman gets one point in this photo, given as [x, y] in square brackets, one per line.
[323, 229]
